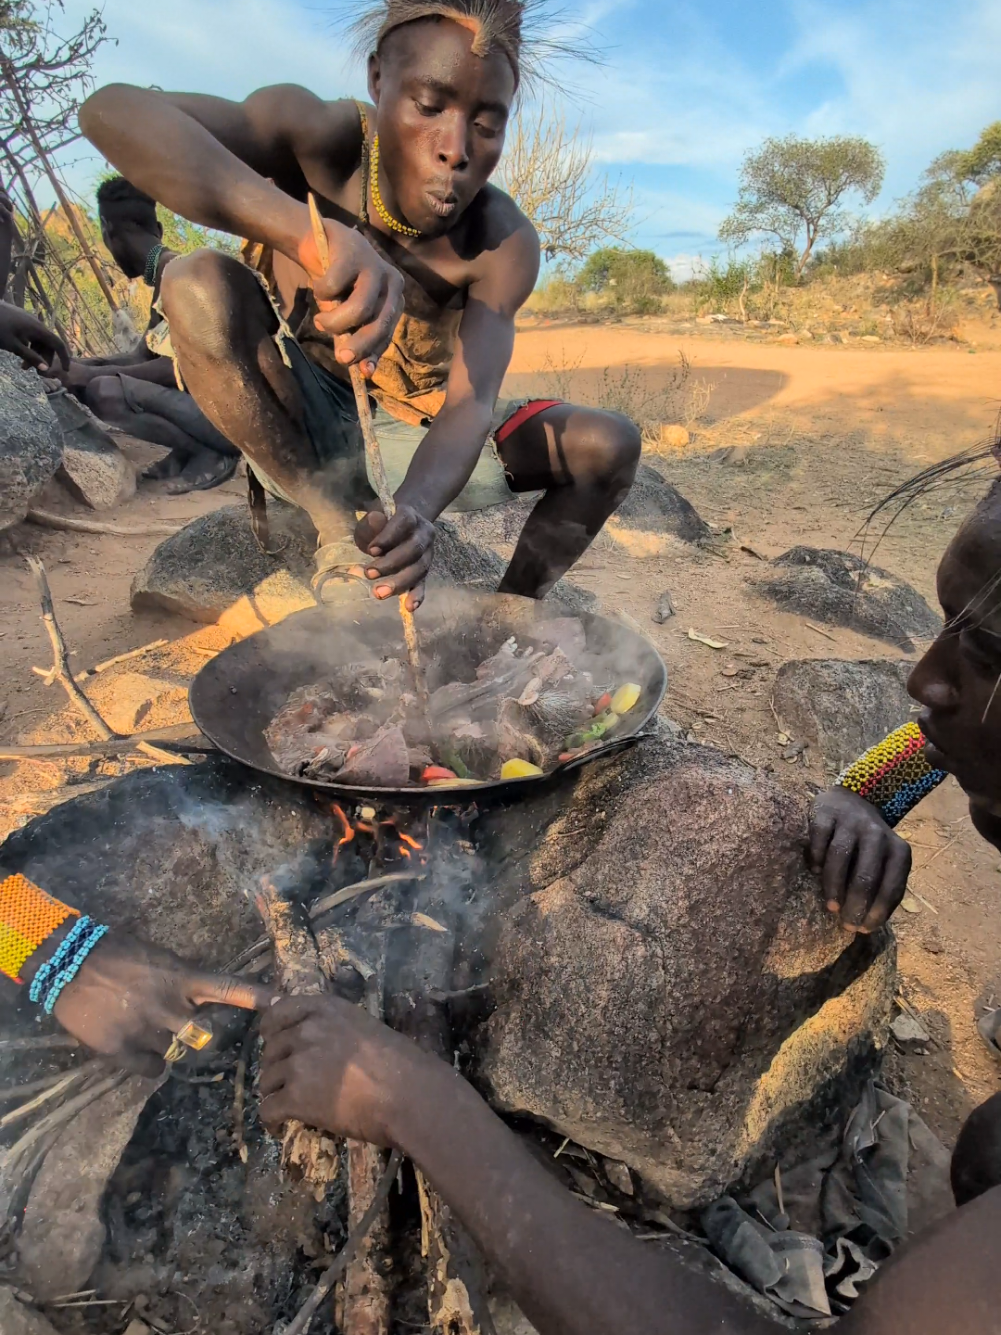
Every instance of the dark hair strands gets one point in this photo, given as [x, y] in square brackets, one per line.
[119, 197]
[980, 462]
[533, 34]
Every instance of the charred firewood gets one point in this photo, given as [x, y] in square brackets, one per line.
[307, 1153]
[456, 1273]
[364, 1299]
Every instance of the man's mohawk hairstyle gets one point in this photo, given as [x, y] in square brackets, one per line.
[525, 31]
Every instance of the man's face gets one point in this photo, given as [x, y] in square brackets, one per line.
[957, 681]
[112, 239]
[116, 240]
[442, 113]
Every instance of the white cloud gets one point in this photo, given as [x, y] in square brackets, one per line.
[229, 47]
[684, 266]
[915, 81]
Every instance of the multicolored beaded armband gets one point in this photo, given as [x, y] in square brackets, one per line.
[28, 916]
[894, 775]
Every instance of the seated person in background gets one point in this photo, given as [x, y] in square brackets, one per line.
[138, 390]
[20, 332]
[332, 1066]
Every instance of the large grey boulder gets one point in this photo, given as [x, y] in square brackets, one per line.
[840, 707]
[654, 505]
[93, 470]
[669, 989]
[31, 440]
[16, 1319]
[170, 853]
[839, 588]
[214, 563]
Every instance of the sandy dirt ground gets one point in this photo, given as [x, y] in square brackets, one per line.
[822, 434]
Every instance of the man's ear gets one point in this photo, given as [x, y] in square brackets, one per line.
[374, 77]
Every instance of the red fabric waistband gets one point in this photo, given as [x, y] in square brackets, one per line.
[524, 415]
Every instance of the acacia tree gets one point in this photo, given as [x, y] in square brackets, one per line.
[793, 189]
[981, 163]
[548, 169]
[951, 218]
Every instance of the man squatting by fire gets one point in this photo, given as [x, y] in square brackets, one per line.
[429, 265]
[442, 77]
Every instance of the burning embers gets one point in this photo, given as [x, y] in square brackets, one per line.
[388, 844]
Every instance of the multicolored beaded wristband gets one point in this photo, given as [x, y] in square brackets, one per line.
[66, 975]
[28, 917]
[894, 775]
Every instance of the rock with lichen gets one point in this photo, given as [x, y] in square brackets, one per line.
[31, 440]
[842, 590]
[840, 707]
[214, 568]
[668, 988]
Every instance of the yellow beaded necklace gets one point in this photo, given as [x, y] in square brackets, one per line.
[380, 208]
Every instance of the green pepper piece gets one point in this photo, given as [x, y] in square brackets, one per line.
[593, 732]
[451, 759]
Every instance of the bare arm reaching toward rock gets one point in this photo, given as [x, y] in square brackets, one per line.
[572, 1272]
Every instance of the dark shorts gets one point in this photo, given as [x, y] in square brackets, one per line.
[334, 431]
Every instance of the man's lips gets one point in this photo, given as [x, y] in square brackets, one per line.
[442, 202]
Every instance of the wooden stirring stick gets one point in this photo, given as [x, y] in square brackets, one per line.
[373, 454]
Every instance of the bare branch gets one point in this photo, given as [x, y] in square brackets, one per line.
[548, 169]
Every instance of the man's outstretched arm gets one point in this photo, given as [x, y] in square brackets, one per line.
[571, 1271]
[216, 163]
[223, 164]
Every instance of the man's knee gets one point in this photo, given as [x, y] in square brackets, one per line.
[204, 297]
[105, 398]
[605, 446]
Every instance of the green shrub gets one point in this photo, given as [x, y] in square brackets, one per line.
[722, 287]
[632, 280]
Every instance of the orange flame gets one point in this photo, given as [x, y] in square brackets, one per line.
[410, 843]
[349, 833]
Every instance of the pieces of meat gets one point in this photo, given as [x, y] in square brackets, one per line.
[291, 734]
[382, 762]
[564, 633]
[555, 714]
[364, 725]
[514, 738]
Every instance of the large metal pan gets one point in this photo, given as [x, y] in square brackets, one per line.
[237, 693]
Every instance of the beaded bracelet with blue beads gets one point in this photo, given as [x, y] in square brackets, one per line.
[66, 975]
[52, 966]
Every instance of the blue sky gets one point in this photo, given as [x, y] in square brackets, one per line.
[685, 90]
